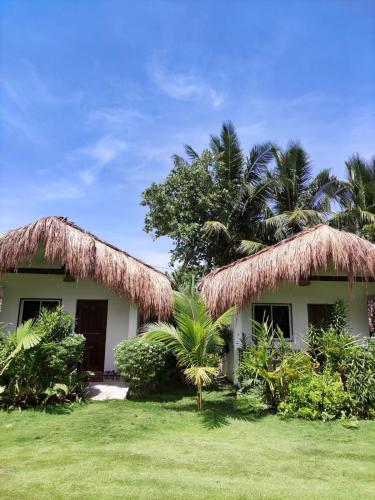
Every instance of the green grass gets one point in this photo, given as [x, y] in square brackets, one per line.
[164, 449]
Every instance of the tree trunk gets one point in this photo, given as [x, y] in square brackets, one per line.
[199, 397]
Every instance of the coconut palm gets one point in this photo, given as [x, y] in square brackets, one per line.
[194, 338]
[357, 197]
[298, 200]
[247, 180]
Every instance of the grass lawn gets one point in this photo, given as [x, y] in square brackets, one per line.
[164, 449]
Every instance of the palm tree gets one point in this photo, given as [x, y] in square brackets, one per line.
[356, 196]
[193, 339]
[246, 187]
[298, 199]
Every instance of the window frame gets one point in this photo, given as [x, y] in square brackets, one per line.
[271, 304]
[36, 299]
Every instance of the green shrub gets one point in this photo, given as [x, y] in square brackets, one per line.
[141, 363]
[338, 320]
[336, 350]
[44, 364]
[316, 396]
[271, 365]
[360, 378]
[334, 376]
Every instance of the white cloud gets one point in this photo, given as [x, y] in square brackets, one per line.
[116, 116]
[183, 86]
[101, 153]
[60, 190]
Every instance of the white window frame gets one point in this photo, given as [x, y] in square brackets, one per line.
[271, 304]
[31, 299]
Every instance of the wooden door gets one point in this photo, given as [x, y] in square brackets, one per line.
[91, 321]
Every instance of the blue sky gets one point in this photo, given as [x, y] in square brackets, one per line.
[95, 96]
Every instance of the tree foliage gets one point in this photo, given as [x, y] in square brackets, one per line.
[222, 204]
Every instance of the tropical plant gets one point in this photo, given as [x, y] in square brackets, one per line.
[222, 204]
[357, 198]
[298, 199]
[271, 364]
[329, 343]
[316, 396]
[338, 320]
[40, 359]
[194, 339]
[141, 363]
[211, 203]
[360, 378]
[25, 337]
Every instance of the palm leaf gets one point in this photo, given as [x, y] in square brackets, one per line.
[26, 336]
[248, 247]
[215, 228]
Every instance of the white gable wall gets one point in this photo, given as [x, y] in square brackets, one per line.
[122, 315]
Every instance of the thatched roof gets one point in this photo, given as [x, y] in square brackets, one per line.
[85, 256]
[291, 260]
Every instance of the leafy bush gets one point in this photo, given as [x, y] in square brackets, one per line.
[334, 376]
[41, 361]
[316, 396]
[271, 364]
[141, 363]
[336, 350]
[360, 379]
[338, 320]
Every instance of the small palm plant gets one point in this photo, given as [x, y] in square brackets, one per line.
[25, 338]
[193, 339]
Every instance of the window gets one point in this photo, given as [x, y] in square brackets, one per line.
[30, 308]
[278, 315]
[319, 314]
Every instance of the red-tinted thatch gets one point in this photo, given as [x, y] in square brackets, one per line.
[86, 256]
[291, 260]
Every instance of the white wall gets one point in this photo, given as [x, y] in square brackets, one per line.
[323, 292]
[122, 315]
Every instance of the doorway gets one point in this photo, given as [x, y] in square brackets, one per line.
[91, 321]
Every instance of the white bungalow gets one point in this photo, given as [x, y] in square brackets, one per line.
[54, 262]
[295, 283]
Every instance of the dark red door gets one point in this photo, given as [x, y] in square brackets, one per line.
[91, 320]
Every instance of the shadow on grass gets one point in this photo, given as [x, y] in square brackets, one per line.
[219, 413]
[64, 408]
[220, 404]
[220, 407]
[167, 394]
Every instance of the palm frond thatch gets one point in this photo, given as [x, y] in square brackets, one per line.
[290, 260]
[85, 256]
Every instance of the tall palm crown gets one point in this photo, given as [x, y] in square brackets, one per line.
[298, 198]
[193, 338]
[356, 196]
[245, 185]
